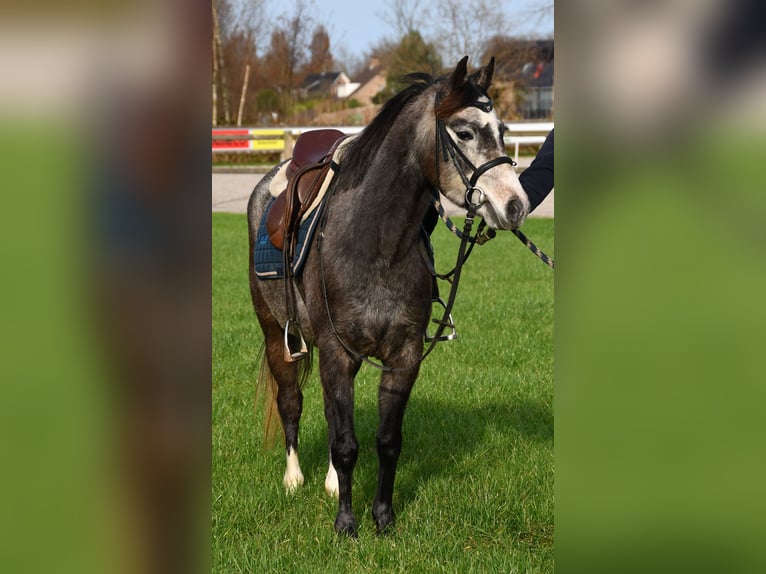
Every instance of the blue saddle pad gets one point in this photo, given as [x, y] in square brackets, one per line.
[268, 259]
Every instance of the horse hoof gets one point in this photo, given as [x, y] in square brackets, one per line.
[346, 525]
[384, 520]
[293, 475]
[292, 482]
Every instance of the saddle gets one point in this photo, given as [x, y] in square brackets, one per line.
[307, 170]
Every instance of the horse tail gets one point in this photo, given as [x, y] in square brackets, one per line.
[266, 393]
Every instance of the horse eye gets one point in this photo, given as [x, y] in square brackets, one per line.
[464, 136]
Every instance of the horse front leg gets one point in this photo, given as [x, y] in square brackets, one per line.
[393, 393]
[337, 372]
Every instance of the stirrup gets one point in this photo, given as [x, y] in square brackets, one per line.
[450, 324]
[298, 349]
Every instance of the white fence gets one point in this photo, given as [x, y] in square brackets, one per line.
[280, 140]
[526, 133]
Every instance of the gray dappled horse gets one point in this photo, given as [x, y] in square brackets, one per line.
[366, 287]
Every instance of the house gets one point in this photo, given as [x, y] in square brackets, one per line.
[338, 85]
[536, 80]
[327, 84]
[371, 81]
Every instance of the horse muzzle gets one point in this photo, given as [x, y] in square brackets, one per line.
[508, 215]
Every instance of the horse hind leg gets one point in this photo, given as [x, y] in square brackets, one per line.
[331, 487]
[286, 397]
[283, 380]
[331, 480]
[273, 416]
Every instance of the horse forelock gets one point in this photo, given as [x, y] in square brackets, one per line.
[457, 99]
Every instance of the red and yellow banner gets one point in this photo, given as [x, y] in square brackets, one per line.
[252, 140]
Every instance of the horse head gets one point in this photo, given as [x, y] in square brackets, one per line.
[472, 167]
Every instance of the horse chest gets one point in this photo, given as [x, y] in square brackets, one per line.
[401, 300]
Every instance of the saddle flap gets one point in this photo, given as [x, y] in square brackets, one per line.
[274, 222]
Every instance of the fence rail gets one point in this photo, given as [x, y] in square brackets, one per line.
[272, 140]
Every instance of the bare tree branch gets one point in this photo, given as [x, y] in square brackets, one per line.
[462, 29]
[406, 16]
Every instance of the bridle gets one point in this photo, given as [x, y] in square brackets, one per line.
[450, 150]
[445, 145]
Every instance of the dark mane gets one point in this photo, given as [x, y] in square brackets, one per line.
[358, 153]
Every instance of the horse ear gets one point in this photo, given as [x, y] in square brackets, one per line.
[457, 80]
[485, 75]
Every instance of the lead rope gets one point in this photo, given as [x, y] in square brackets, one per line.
[463, 251]
[482, 236]
[534, 248]
[452, 151]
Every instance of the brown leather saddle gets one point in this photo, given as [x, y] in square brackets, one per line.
[307, 170]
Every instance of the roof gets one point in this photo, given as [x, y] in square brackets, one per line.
[369, 73]
[320, 83]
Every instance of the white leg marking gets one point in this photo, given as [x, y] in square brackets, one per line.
[293, 474]
[331, 482]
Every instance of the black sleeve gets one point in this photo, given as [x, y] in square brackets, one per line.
[537, 179]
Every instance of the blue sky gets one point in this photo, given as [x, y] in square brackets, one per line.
[357, 25]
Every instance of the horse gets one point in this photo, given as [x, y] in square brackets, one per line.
[366, 287]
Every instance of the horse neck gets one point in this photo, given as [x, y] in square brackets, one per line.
[394, 192]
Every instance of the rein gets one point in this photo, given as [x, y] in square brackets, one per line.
[474, 198]
[450, 150]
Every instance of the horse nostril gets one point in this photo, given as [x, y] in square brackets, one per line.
[515, 211]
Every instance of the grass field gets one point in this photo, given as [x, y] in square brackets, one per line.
[474, 489]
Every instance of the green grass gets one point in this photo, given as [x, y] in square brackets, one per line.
[474, 489]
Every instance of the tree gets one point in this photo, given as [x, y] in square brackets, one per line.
[236, 32]
[219, 67]
[287, 53]
[412, 54]
[462, 29]
[320, 56]
[406, 16]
